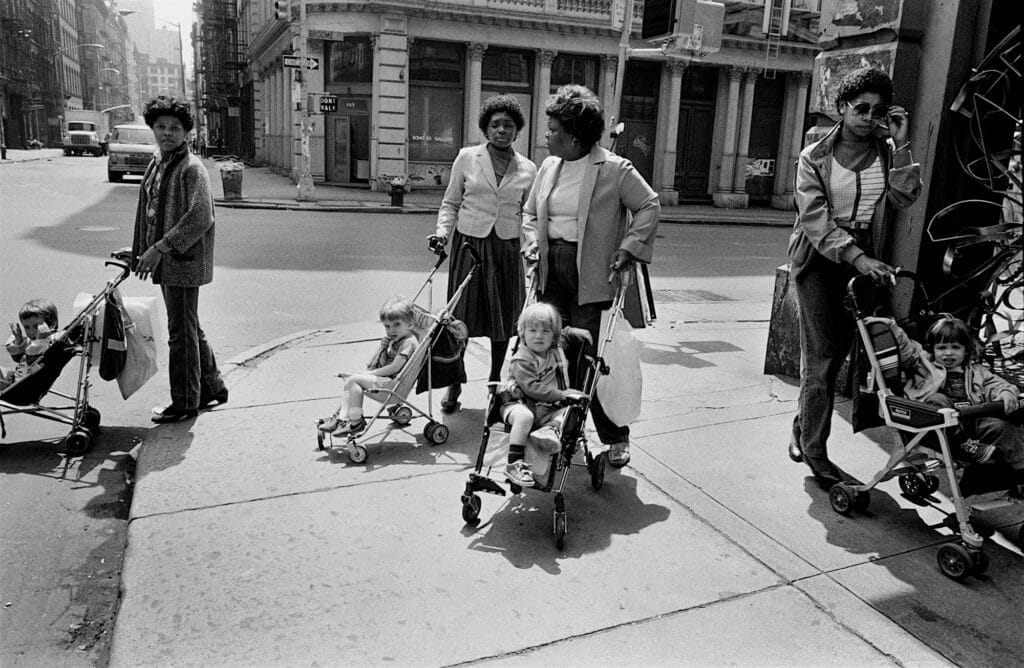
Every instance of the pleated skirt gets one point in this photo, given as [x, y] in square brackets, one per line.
[492, 301]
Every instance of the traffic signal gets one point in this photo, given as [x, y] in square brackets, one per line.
[659, 18]
[282, 10]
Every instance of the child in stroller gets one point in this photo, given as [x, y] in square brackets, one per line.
[38, 319]
[536, 387]
[396, 347]
[963, 381]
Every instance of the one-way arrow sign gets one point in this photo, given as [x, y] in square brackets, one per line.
[294, 61]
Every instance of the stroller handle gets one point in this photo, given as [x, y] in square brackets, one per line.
[986, 409]
[852, 302]
[121, 261]
[472, 253]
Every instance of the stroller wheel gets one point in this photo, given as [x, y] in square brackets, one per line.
[560, 530]
[841, 497]
[357, 454]
[955, 561]
[436, 433]
[401, 415]
[91, 419]
[917, 486]
[979, 562]
[77, 442]
[471, 509]
[595, 466]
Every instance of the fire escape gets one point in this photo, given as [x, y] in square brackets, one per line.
[27, 52]
[222, 57]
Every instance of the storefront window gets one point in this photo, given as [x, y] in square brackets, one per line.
[572, 69]
[506, 69]
[435, 101]
[437, 62]
[350, 61]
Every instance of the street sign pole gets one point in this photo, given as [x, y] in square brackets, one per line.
[306, 189]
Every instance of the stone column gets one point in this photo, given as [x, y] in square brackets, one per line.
[540, 96]
[803, 81]
[723, 194]
[739, 183]
[474, 66]
[609, 65]
[667, 192]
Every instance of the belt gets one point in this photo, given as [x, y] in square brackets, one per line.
[561, 242]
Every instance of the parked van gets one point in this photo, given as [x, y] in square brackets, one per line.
[131, 147]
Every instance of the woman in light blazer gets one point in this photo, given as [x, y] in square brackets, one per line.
[483, 207]
[577, 227]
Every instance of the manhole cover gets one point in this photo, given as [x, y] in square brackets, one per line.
[689, 296]
[98, 228]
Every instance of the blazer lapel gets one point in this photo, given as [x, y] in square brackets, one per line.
[594, 161]
[545, 190]
[484, 159]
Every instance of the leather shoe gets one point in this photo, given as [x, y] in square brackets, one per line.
[172, 414]
[220, 397]
[825, 472]
[795, 453]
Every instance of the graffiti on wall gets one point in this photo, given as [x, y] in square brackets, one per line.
[760, 167]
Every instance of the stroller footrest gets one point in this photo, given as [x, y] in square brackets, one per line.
[485, 484]
[912, 413]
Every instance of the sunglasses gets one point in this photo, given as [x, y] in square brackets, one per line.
[863, 109]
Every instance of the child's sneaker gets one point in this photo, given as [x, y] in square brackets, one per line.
[974, 451]
[547, 439]
[518, 473]
[350, 427]
[328, 424]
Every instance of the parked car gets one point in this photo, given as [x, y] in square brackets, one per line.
[130, 149]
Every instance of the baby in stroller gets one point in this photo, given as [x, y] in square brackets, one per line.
[963, 381]
[536, 386]
[39, 321]
[396, 347]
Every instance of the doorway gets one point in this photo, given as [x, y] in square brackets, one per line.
[348, 148]
[693, 150]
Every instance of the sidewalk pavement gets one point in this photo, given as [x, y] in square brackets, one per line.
[276, 190]
[249, 546]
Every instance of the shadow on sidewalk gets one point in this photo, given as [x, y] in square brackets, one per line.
[520, 529]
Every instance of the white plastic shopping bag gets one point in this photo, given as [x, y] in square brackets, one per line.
[621, 390]
[140, 330]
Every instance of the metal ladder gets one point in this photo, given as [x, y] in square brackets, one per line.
[774, 36]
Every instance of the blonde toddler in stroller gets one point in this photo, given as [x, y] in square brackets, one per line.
[537, 386]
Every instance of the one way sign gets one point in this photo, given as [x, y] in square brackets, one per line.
[295, 61]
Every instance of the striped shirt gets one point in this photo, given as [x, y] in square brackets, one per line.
[855, 194]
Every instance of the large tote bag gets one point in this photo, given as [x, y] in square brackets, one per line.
[621, 390]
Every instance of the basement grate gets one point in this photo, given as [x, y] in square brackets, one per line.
[689, 296]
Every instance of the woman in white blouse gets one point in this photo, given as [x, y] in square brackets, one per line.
[845, 183]
[483, 207]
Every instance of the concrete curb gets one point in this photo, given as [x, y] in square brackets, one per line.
[373, 207]
[368, 207]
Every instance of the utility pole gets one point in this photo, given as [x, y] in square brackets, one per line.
[306, 190]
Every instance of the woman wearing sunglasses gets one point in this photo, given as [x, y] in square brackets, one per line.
[845, 185]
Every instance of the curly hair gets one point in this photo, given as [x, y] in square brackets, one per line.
[496, 104]
[168, 106]
[950, 329]
[579, 112]
[864, 80]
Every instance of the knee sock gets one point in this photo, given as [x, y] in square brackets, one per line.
[516, 452]
[355, 414]
[498, 349]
